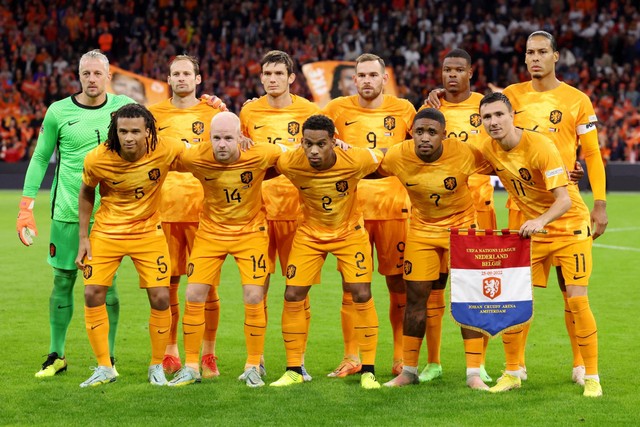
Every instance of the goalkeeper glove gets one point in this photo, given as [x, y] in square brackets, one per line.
[26, 224]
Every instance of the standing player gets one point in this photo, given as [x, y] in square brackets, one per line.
[130, 168]
[71, 127]
[565, 115]
[373, 120]
[435, 171]
[232, 223]
[533, 172]
[460, 108]
[187, 118]
[327, 181]
[276, 118]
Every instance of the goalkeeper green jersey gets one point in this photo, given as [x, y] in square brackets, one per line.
[71, 130]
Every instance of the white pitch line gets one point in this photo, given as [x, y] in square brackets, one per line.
[621, 248]
[618, 230]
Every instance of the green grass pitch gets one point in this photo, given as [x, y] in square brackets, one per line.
[547, 398]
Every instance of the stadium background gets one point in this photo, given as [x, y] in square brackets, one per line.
[599, 45]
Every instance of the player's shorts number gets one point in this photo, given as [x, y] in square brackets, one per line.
[259, 263]
[580, 263]
[162, 266]
[360, 260]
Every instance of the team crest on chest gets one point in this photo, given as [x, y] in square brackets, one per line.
[555, 117]
[450, 183]
[475, 120]
[197, 127]
[389, 123]
[293, 128]
[342, 186]
[246, 177]
[525, 174]
[154, 174]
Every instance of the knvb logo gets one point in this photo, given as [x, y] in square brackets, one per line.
[491, 287]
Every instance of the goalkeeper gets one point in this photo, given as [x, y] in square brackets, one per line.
[72, 127]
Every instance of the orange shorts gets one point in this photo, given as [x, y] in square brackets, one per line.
[487, 220]
[516, 219]
[180, 236]
[150, 256]
[308, 255]
[281, 235]
[573, 257]
[388, 237]
[209, 253]
[425, 258]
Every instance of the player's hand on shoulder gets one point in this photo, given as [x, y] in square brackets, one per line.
[433, 100]
[246, 143]
[26, 223]
[342, 145]
[214, 102]
[249, 101]
[576, 174]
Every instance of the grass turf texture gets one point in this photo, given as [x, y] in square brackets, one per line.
[547, 398]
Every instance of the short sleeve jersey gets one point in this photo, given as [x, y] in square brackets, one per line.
[380, 128]
[529, 172]
[440, 197]
[130, 190]
[464, 123]
[561, 114]
[264, 123]
[182, 193]
[232, 192]
[71, 130]
[329, 197]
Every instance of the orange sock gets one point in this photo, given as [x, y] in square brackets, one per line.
[485, 344]
[411, 350]
[571, 330]
[523, 344]
[586, 332]
[473, 352]
[174, 301]
[307, 316]
[159, 327]
[254, 332]
[511, 341]
[366, 328]
[347, 315]
[294, 331]
[397, 304]
[211, 315]
[435, 312]
[266, 311]
[96, 321]
[193, 330]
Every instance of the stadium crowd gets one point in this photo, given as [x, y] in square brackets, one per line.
[599, 45]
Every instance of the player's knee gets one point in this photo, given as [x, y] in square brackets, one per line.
[94, 295]
[396, 284]
[361, 292]
[159, 298]
[295, 293]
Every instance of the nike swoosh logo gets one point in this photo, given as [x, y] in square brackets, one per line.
[60, 307]
[258, 127]
[518, 112]
[369, 336]
[163, 332]
[95, 326]
[305, 188]
[189, 333]
[258, 277]
[255, 335]
[410, 185]
[289, 340]
[578, 277]
[499, 170]
[208, 179]
[163, 128]
[349, 123]
[71, 123]
[360, 274]
[161, 278]
[399, 265]
[117, 182]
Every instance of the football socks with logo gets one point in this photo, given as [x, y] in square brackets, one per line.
[473, 352]
[366, 327]
[96, 322]
[347, 316]
[212, 319]
[174, 302]
[113, 311]
[571, 330]
[61, 308]
[193, 331]
[586, 332]
[411, 350]
[435, 312]
[511, 340]
[254, 331]
[159, 329]
[294, 331]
